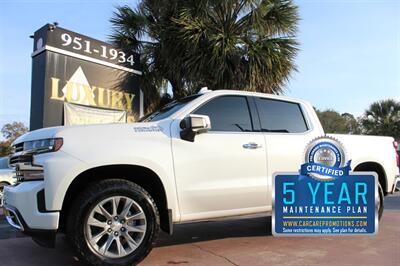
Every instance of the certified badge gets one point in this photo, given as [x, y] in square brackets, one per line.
[325, 160]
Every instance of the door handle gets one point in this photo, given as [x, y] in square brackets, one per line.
[251, 145]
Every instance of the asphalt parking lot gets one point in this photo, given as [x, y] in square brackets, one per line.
[246, 241]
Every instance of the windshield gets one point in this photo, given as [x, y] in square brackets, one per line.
[168, 109]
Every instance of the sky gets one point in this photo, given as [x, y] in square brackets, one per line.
[349, 50]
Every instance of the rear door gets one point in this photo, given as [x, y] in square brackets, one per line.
[286, 130]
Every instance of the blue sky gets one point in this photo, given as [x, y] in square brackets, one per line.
[350, 50]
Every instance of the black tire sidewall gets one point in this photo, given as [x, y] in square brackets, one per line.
[92, 197]
[381, 201]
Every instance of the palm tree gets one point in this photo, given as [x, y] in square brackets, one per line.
[382, 118]
[138, 30]
[221, 44]
[231, 44]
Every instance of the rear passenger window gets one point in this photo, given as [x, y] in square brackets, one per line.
[227, 113]
[280, 116]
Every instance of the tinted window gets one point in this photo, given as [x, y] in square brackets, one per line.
[227, 113]
[280, 116]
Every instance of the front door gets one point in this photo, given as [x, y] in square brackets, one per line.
[223, 171]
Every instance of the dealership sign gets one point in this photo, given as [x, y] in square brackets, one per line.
[324, 197]
[68, 67]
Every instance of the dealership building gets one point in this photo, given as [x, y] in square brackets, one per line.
[79, 80]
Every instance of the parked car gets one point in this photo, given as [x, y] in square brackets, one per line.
[111, 187]
[7, 177]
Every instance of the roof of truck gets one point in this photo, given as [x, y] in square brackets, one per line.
[251, 93]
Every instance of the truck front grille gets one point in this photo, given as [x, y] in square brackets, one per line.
[20, 159]
[19, 147]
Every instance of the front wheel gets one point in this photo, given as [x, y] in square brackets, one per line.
[113, 222]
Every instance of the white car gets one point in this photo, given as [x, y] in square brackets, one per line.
[111, 187]
[7, 177]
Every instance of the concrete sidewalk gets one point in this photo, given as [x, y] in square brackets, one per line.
[249, 242]
[235, 242]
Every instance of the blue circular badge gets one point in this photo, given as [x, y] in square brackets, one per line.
[325, 159]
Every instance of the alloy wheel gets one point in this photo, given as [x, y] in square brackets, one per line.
[115, 227]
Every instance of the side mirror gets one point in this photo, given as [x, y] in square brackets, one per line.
[193, 125]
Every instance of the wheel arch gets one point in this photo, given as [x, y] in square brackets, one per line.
[374, 167]
[142, 176]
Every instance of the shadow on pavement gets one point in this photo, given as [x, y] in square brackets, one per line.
[23, 251]
[213, 230]
[252, 234]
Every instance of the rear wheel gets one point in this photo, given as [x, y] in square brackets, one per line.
[113, 222]
[381, 197]
[380, 201]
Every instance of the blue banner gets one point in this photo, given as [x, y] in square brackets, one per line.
[325, 170]
[342, 206]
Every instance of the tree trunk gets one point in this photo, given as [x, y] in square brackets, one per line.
[177, 89]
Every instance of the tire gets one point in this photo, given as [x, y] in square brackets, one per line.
[2, 185]
[381, 197]
[381, 201]
[123, 242]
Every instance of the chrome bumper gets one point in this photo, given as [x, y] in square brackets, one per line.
[45, 238]
[396, 184]
[12, 218]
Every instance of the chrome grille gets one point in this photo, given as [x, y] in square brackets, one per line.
[20, 159]
[18, 156]
[19, 147]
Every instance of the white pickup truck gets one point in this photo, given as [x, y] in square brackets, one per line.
[111, 187]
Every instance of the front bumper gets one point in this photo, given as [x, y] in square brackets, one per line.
[45, 238]
[22, 210]
[396, 184]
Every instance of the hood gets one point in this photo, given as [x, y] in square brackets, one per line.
[43, 133]
[114, 142]
[113, 130]
[96, 130]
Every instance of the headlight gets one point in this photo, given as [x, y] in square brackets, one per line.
[43, 145]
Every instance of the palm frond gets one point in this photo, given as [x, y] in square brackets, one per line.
[222, 44]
